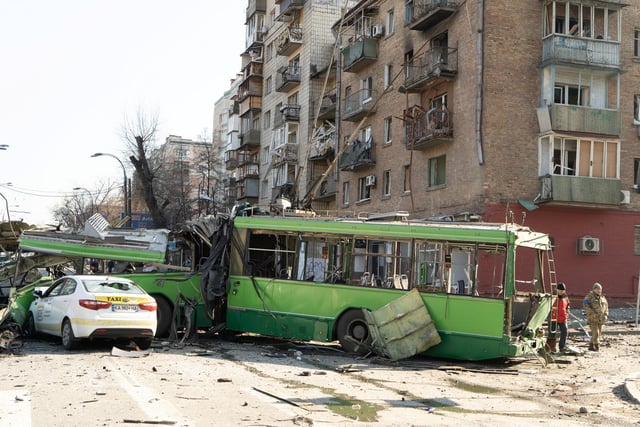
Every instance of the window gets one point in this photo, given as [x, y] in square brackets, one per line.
[408, 59]
[293, 99]
[570, 95]
[437, 171]
[265, 188]
[579, 157]
[388, 69]
[636, 109]
[636, 43]
[406, 178]
[345, 193]
[390, 23]
[366, 86]
[636, 174]
[364, 191]
[268, 85]
[267, 120]
[387, 130]
[266, 155]
[386, 183]
[269, 52]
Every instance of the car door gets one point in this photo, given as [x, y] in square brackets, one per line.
[52, 307]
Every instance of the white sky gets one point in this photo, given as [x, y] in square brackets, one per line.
[72, 70]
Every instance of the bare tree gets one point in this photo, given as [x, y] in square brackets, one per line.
[139, 136]
[78, 207]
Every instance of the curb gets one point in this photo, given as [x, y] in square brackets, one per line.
[632, 386]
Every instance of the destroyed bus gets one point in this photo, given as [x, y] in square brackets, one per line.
[486, 287]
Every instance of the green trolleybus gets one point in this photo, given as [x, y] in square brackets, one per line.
[487, 287]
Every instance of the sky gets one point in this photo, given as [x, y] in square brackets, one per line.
[73, 70]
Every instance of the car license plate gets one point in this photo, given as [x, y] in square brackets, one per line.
[124, 307]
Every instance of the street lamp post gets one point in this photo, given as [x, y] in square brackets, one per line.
[127, 193]
[90, 198]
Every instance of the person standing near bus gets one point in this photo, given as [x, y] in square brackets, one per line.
[562, 313]
[597, 309]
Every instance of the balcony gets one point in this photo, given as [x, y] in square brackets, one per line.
[247, 189]
[322, 148]
[424, 14]
[248, 171]
[580, 51]
[287, 153]
[359, 54]
[357, 155]
[575, 118]
[256, 6]
[250, 86]
[288, 41]
[431, 68]
[326, 187]
[359, 104]
[290, 112]
[287, 8]
[250, 138]
[426, 129]
[231, 159]
[288, 77]
[252, 69]
[239, 157]
[580, 189]
[327, 107]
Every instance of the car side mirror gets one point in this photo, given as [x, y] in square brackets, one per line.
[37, 293]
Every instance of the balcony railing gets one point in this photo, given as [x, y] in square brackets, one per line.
[359, 53]
[288, 41]
[287, 113]
[358, 155]
[322, 147]
[287, 78]
[424, 129]
[580, 189]
[423, 14]
[580, 51]
[287, 153]
[430, 68]
[250, 138]
[359, 104]
[575, 118]
[248, 171]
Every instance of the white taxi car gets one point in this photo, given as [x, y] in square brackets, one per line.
[92, 306]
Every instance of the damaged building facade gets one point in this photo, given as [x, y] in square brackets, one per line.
[456, 110]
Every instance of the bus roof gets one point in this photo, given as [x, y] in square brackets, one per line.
[481, 232]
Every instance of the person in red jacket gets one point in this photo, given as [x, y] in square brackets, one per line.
[562, 313]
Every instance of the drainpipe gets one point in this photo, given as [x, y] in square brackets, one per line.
[479, 80]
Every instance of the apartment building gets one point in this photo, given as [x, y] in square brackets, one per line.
[191, 180]
[522, 111]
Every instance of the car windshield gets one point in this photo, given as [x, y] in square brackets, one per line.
[103, 287]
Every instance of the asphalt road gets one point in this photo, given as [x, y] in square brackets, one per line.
[256, 382]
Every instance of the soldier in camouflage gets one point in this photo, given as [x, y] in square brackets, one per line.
[597, 309]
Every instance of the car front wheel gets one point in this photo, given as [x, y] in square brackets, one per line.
[29, 329]
[69, 340]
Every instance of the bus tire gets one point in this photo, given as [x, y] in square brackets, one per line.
[353, 332]
[164, 313]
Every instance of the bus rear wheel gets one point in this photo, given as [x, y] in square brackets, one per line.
[353, 332]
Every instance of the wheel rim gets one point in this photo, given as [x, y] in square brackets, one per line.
[66, 333]
[358, 330]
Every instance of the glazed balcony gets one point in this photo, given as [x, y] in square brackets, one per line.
[573, 50]
[252, 69]
[250, 138]
[359, 104]
[575, 118]
[288, 41]
[288, 78]
[359, 53]
[256, 6]
[231, 159]
[287, 8]
[432, 67]
[250, 86]
[424, 14]
[247, 188]
[357, 155]
[426, 129]
[579, 189]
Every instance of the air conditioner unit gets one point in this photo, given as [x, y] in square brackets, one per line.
[377, 30]
[589, 245]
[625, 197]
[370, 180]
